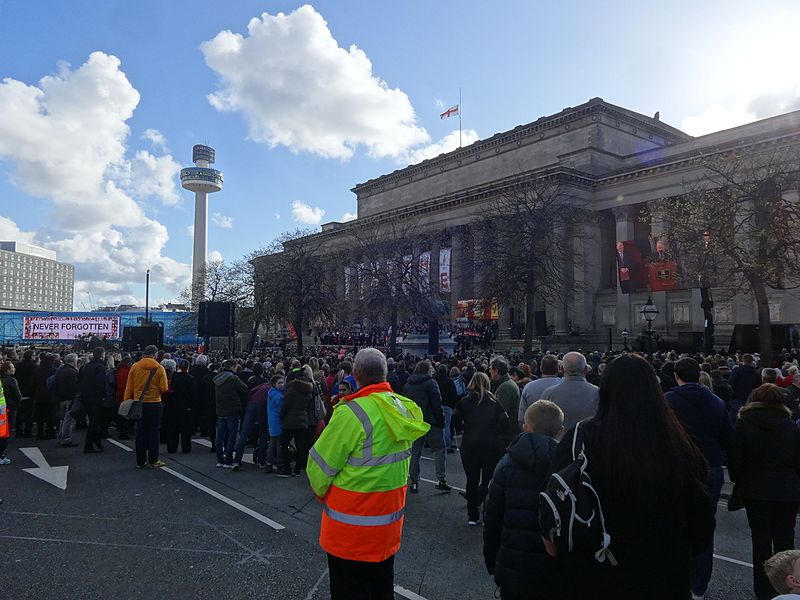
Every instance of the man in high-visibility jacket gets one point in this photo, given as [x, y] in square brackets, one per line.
[5, 428]
[359, 469]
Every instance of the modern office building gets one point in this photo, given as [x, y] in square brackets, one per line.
[32, 279]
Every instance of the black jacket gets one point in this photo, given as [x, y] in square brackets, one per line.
[447, 389]
[11, 392]
[182, 397]
[483, 423]
[705, 418]
[512, 539]
[66, 386]
[423, 390]
[724, 391]
[205, 395]
[666, 533]
[764, 461]
[744, 379]
[92, 381]
[230, 394]
[24, 376]
[297, 400]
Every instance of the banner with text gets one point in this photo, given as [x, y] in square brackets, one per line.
[424, 270]
[70, 328]
[444, 270]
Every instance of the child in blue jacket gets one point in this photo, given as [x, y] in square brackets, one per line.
[274, 404]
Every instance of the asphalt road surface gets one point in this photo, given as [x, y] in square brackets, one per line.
[194, 531]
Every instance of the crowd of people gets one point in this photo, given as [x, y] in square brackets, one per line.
[655, 434]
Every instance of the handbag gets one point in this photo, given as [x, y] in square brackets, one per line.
[319, 403]
[132, 409]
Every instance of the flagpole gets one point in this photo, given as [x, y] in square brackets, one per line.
[459, 116]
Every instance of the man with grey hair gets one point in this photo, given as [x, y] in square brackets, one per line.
[574, 395]
[358, 468]
[533, 390]
[66, 388]
[507, 394]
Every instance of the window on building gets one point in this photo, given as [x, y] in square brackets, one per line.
[681, 312]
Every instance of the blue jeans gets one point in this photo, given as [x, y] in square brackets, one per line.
[448, 434]
[226, 438]
[253, 413]
[148, 429]
[704, 562]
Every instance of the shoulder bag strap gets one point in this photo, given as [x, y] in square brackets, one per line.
[575, 444]
[147, 384]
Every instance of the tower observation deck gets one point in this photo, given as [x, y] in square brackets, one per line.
[202, 180]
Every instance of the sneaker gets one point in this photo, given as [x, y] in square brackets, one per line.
[268, 469]
[158, 464]
[698, 596]
[235, 466]
[413, 488]
[451, 450]
[227, 466]
[443, 486]
[144, 466]
[5, 461]
[220, 465]
[283, 473]
[473, 523]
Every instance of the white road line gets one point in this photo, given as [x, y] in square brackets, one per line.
[116, 545]
[407, 593]
[435, 482]
[240, 507]
[257, 516]
[314, 589]
[741, 563]
[120, 445]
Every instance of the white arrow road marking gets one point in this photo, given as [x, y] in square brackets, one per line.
[401, 591]
[56, 476]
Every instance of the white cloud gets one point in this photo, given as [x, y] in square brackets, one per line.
[446, 144]
[277, 216]
[215, 256]
[221, 220]
[439, 103]
[348, 216]
[66, 139]
[10, 232]
[297, 88]
[760, 79]
[156, 138]
[190, 230]
[308, 215]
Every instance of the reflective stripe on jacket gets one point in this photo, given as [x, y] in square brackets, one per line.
[5, 429]
[359, 467]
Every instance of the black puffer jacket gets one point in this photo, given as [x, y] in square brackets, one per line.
[298, 398]
[424, 390]
[512, 539]
[764, 460]
[11, 392]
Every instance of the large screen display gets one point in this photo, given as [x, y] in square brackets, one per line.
[70, 328]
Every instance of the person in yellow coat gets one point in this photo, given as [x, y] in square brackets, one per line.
[359, 469]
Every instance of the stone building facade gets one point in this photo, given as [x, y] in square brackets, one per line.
[616, 160]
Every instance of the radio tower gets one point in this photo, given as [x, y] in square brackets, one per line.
[202, 180]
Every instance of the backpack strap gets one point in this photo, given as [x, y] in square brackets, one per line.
[575, 442]
[147, 384]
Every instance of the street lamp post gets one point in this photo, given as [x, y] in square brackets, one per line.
[650, 312]
[625, 334]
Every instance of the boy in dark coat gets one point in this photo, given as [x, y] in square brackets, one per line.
[512, 539]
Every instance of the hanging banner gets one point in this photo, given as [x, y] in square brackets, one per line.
[70, 328]
[425, 270]
[444, 270]
[407, 265]
[346, 281]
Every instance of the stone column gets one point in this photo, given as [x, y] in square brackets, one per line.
[588, 275]
[661, 299]
[625, 220]
[562, 300]
[434, 266]
[458, 270]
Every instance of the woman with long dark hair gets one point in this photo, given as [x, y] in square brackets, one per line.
[650, 478]
[484, 421]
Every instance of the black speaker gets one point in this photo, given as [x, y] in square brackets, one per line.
[540, 323]
[216, 319]
[433, 338]
[134, 339]
[745, 337]
[690, 341]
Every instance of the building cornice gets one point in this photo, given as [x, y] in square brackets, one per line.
[524, 134]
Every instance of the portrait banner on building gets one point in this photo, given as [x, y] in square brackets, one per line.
[444, 270]
[347, 275]
[70, 328]
[425, 270]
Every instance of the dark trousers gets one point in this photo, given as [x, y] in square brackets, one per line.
[147, 433]
[772, 529]
[25, 417]
[300, 447]
[46, 420]
[356, 580]
[109, 416]
[178, 426]
[703, 563]
[94, 416]
[479, 461]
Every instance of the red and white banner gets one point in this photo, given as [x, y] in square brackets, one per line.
[450, 112]
[444, 270]
[70, 328]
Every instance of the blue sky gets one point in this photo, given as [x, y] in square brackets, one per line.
[302, 107]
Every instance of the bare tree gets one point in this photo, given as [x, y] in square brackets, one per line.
[220, 284]
[289, 279]
[531, 226]
[739, 224]
[387, 281]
